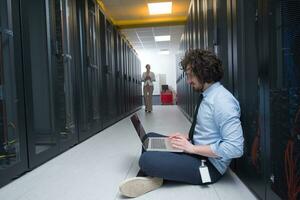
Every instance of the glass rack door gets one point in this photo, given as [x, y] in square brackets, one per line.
[249, 87]
[283, 100]
[13, 154]
[108, 75]
[65, 66]
[39, 76]
[90, 121]
[93, 70]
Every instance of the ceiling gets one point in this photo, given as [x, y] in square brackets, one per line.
[143, 38]
[132, 17]
[134, 13]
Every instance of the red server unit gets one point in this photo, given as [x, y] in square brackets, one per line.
[166, 98]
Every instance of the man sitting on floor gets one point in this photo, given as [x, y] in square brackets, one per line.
[214, 139]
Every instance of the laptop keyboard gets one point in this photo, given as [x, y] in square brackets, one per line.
[158, 144]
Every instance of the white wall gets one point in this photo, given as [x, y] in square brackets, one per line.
[160, 64]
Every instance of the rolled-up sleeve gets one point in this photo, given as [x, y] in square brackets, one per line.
[231, 143]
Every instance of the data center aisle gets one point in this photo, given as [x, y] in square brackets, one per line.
[93, 169]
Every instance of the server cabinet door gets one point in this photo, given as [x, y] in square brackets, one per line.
[89, 73]
[126, 78]
[39, 76]
[283, 99]
[130, 79]
[205, 23]
[199, 18]
[140, 84]
[221, 40]
[111, 82]
[123, 72]
[118, 52]
[250, 167]
[136, 81]
[108, 73]
[93, 66]
[211, 24]
[65, 11]
[13, 154]
[191, 25]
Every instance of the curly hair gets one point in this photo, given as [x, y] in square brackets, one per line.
[204, 64]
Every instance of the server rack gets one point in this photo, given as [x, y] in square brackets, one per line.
[128, 76]
[244, 36]
[13, 154]
[139, 83]
[90, 119]
[65, 18]
[210, 15]
[282, 97]
[131, 80]
[129, 57]
[123, 76]
[127, 85]
[221, 40]
[118, 77]
[258, 42]
[39, 81]
[108, 74]
[53, 79]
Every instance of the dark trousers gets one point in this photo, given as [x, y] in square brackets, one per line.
[181, 167]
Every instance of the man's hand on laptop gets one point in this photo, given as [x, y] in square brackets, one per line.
[174, 135]
[181, 142]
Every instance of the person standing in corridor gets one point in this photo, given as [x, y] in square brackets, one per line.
[148, 77]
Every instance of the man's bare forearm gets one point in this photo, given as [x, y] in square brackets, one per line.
[204, 150]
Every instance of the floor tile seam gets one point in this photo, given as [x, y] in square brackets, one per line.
[127, 173]
[214, 188]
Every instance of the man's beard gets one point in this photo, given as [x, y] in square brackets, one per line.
[199, 89]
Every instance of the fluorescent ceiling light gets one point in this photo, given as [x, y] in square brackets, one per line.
[160, 8]
[164, 52]
[162, 38]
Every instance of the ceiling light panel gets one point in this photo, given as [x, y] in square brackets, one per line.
[164, 52]
[160, 8]
[162, 38]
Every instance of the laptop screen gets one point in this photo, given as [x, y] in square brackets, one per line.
[138, 126]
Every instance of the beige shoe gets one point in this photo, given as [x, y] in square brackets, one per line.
[137, 186]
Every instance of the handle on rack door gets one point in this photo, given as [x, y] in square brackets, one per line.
[8, 32]
[93, 66]
[12, 125]
[66, 57]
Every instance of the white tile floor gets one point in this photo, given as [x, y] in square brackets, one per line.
[93, 169]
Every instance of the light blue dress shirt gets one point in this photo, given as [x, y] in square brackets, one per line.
[219, 126]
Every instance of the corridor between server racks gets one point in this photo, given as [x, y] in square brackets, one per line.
[93, 169]
[70, 77]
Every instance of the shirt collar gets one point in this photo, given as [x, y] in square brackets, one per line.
[211, 88]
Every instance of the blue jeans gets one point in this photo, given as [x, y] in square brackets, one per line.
[181, 167]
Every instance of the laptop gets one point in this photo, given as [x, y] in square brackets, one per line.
[152, 143]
